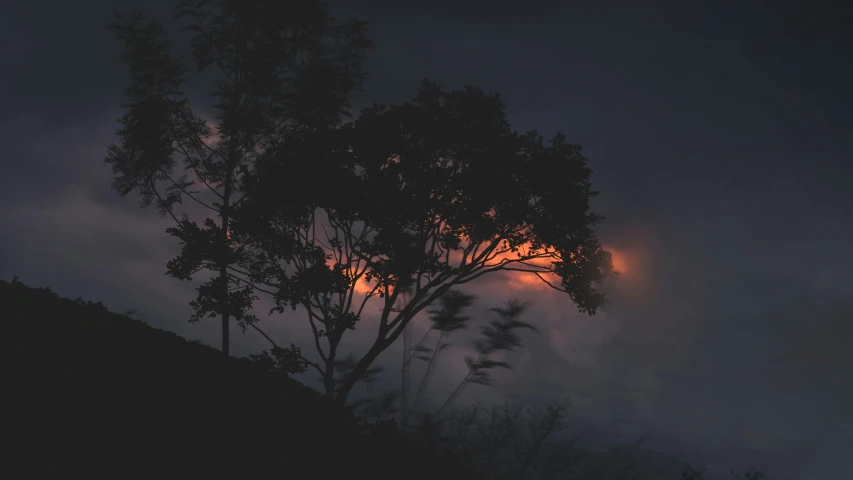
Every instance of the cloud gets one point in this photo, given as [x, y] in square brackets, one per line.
[725, 333]
[649, 363]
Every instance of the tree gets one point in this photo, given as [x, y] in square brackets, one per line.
[280, 66]
[409, 201]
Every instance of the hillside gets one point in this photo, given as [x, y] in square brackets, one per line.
[101, 395]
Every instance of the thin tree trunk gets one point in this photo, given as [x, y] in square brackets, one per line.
[223, 261]
[329, 376]
[350, 380]
[404, 400]
[453, 396]
[427, 374]
[381, 343]
[223, 275]
[456, 392]
[226, 347]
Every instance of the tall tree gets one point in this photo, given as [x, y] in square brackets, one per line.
[276, 67]
[417, 199]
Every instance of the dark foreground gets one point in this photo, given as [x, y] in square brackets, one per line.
[96, 395]
[90, 394]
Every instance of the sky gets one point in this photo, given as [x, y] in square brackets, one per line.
[721, 141]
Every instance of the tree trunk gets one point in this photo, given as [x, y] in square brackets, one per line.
[226, 347]
[350, 380]
[223, 262]
[404, 400]
[329, 376]
[223, 274]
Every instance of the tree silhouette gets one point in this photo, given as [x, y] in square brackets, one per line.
[278, 67]
[407, 202]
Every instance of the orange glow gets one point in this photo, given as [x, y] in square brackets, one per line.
[529, 281]
[523, 251]
[620, 260]
[512, 279]
[361, 286]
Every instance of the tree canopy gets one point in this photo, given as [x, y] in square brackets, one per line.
[416, 198]
[403, 204]
[277, 67]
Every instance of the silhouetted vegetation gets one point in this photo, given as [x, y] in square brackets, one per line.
[100, 395]
[276, 188]
[498, 336]
[404, 203]
[279, 66]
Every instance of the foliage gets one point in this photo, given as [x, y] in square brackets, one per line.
[499, 335]
[445, 318]
[279, 67]
[409, 201]
[282, 361]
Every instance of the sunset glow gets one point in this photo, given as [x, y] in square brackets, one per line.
[620, 260]
[361, 286]
[516, 280]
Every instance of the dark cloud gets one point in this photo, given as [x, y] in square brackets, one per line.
[719, 136]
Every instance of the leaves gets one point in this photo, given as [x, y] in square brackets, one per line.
[280, 68]
[408, 187]
[447, 316]
[419, 197]
[499, 335]
[282, 361]
[237, 304]
[502, 334]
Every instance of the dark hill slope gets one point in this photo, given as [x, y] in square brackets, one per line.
[99, 395]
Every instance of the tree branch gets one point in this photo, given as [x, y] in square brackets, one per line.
[185, 192]
[301, 357]
[167, 208]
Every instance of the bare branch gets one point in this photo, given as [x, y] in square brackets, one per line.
[162, 202]
[187, 193]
